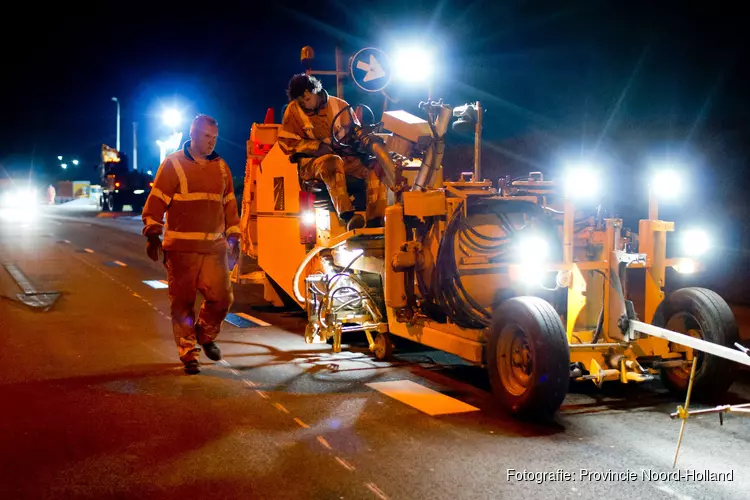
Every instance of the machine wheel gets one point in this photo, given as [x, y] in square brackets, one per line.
[703, 314]
[528, 358]
[383, 350]
[112, 206]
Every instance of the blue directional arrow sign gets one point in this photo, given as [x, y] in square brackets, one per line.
[371, 69]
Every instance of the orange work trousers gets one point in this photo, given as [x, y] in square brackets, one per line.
[187, 274]
[333, 169]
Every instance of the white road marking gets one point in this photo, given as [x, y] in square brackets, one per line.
[281, 408]
[255, 320]
[376, 490]
[158, 284]
[345, 464]
[323, 441]
[422, 398]
[301, 423]
[670, 491]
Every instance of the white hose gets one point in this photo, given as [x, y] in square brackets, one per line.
[295, 283]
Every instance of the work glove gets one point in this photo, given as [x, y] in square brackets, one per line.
[153, 247]
[234, 250]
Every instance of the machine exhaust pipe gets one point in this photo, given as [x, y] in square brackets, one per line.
[433, 157]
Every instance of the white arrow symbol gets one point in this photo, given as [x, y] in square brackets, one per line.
[374, 70]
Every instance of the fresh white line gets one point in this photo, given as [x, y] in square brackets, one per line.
[345, 464]
[255, 320]
[301, 423]
[281, 407]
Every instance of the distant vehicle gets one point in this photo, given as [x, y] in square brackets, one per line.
[18, 194]
[120, 185]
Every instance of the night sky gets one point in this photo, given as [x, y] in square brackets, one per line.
[626, 79]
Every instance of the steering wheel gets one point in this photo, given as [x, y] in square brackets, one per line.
[335, 140]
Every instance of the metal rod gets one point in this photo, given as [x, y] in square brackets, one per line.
[653, 206]
[687, 405]
[339, 76]
[743, 408]
[568, 226]
[701, 345]
[478, 144]
[702, 412]
[603, 346]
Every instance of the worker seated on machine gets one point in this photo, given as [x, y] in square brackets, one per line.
[305, 136]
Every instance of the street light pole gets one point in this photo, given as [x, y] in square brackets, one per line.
[135, 146]
[308, 54]
[118, 122]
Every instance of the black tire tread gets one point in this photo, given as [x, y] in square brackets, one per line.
[551, 354]
[716, 374]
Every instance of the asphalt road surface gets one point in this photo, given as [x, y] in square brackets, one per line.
[95, 403]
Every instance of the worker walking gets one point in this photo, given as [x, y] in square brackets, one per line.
[194, 188]
[305, 136]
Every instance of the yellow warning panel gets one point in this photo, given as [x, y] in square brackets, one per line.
[422, 398]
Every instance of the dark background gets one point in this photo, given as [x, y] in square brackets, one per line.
[627, 82]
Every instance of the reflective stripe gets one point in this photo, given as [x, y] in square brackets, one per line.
[197, 197]
[159, 194]
[180, 175]
[179, 235]
[233, 230]
[229, 198]
[152, 222]
[223, 167]
[288, 135]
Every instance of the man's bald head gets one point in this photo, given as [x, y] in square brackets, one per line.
[203, 134]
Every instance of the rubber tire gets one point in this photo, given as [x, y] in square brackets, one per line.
[387, 353]
[714, 375]
[550, 354]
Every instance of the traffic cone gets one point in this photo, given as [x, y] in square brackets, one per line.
[269, 117]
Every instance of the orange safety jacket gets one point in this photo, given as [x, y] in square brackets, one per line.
[302, 132]
[199, 201]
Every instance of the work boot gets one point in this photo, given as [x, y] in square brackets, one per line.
[192, 367]
[376, 222]
[356, 222]
[212, 351]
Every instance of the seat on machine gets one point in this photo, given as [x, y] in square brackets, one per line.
[355, 186]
